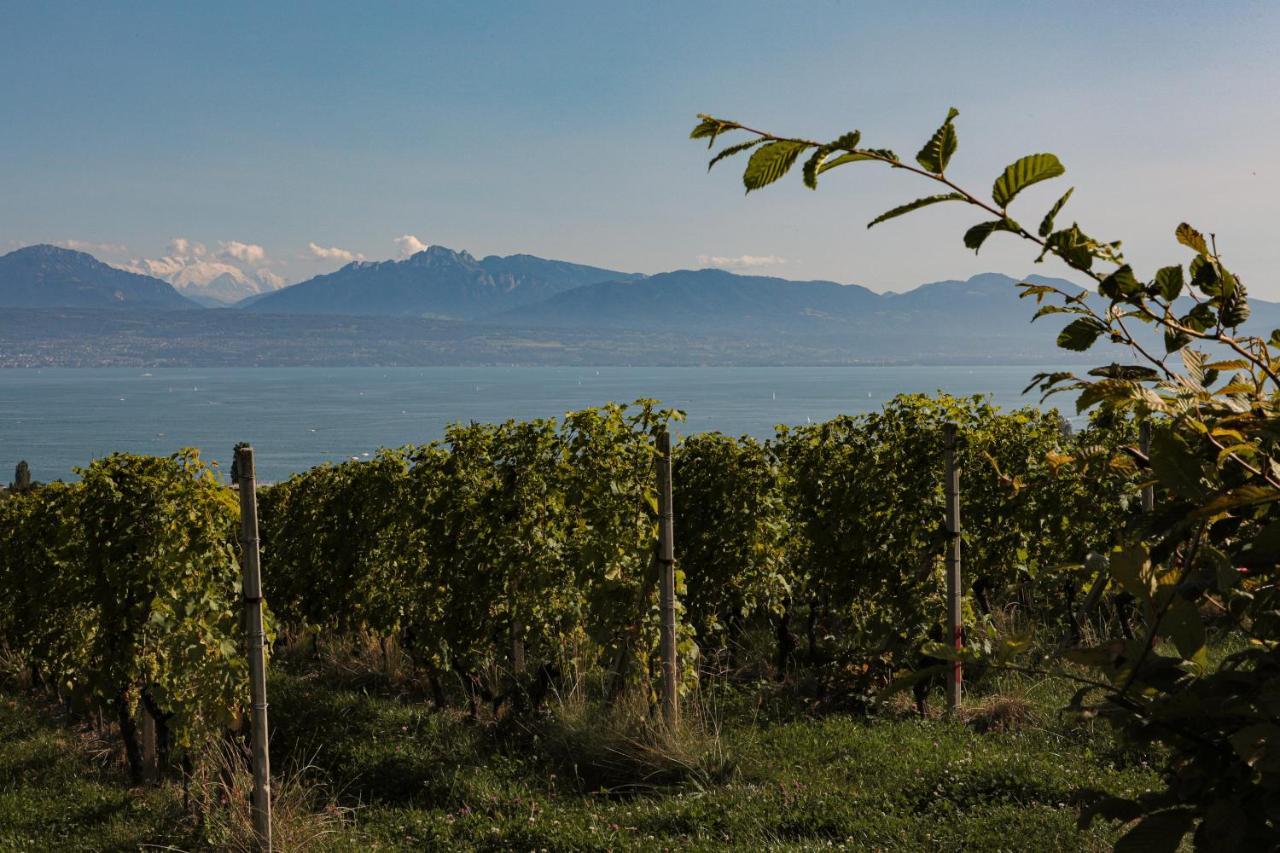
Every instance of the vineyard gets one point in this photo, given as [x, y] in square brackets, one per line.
[508, 564]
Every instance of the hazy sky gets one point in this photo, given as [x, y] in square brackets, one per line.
[286, 138]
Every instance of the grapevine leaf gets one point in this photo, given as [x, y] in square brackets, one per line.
[915, 205]
[1022, 173]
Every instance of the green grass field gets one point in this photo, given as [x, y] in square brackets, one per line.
[360, 767]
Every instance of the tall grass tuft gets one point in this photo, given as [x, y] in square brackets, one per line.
[306, 815]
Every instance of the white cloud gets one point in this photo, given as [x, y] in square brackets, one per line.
[268, 277]
[409, 245]
[742, 262]
[92, 248]
[239, 269]
[246, 253]
[333, 253]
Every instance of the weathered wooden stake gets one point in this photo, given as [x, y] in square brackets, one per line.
[955, 625]
[256, 640]
[667, 583]
[150, 753]
[1148, 492]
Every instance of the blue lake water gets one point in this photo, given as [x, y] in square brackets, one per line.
[58, 419]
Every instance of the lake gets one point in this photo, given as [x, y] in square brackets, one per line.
[58, 419]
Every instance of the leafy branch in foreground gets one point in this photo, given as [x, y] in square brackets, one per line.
[1209, 555]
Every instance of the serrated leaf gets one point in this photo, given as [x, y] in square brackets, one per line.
[812, 165]
[937, 152]
[1191, 238]
[770, 162]
[1046, 224]
[1119, 284]
[1169, 282]
[1128, 372]
[1175, 340]
[915, 205]
[1080, 334]
[1022, 173]
[978, 234]
[1045, 310]
[709, 128]
[732, 150]
[847, 142]
[874, 154]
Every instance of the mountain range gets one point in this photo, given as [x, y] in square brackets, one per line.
[46, 276]
[517, 309]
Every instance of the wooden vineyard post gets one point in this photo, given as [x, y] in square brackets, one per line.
[955, 625]
[150, 753]
[1148, 491]
[667, 584]
[242, 473]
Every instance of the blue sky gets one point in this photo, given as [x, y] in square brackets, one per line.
[261, 131]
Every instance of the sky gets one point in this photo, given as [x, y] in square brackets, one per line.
[282, 140]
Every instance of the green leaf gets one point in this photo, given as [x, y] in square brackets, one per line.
[1022, 173]
[709, 128]
[937, 152]
[1160, 832]
[1175, 340]
[770, 162]
[873, 154]
[1168, 282]
[1046, 224]
[1080, 334]
[915, 205]
[1181, 623]
[1191, 238]
[847, 142]
[1129, 566]
[1073, 246]
[812, 166]
[1120, 284]
[733, 149]
[1128, 372]
[978, 234]
[1175, 465]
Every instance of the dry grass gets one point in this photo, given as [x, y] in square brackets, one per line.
[997, 713]
[629, 749]
[305, 812]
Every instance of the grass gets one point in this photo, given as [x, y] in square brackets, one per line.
[368, 769]
[55, 796]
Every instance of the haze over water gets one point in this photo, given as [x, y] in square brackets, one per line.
[300, 417]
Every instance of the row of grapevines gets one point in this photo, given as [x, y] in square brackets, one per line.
[520, 540]
[122, 590]
[507, 541]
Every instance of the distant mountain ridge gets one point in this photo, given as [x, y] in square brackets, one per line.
[523, 309]
[436, 283]
[44, 276]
